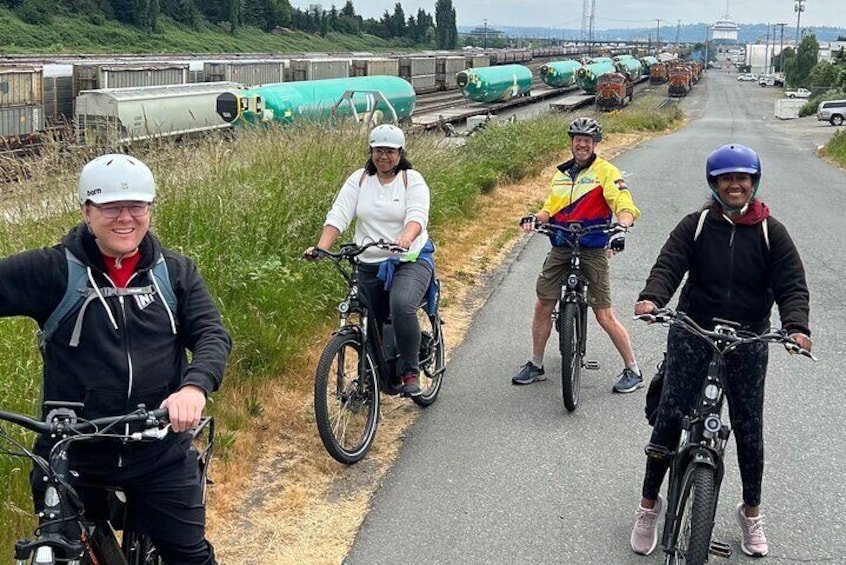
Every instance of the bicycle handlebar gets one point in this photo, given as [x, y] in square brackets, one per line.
[577, 229]
[352, 250]
[724, 331]
[65, 422]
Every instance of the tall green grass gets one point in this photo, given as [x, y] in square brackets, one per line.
[245, 210]
[836, 148]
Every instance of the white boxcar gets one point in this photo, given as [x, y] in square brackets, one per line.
[416, 66]
[97, 76]
[374, 66]
[116, 116]
[447, 67]
[249, 73]
[317, 69]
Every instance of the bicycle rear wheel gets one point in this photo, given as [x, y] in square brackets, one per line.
[432, 358]
[695, 519]
[571, 359]
[346, 403]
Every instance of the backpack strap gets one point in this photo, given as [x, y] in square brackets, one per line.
[764, 226]
[162, 282]
[404, 178]
[75, 292]
[701, 223]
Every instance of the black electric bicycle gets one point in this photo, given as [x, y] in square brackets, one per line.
[360, 360]
[697, 469]
[64, 533]
[570, 315]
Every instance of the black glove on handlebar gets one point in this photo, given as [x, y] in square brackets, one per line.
[617, 242]
[531, 218]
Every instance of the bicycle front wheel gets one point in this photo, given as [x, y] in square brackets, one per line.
[432, 358]
[346, 403]
[695, 520]
[571, 358]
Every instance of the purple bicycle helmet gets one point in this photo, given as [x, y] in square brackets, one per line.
[733, 158]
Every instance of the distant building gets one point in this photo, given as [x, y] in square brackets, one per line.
[724, 32]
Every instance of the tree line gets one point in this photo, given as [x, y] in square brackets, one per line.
[439, 30]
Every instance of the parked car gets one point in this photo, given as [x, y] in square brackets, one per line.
[765, 80]
[751, 77]
[832, 111]
[798, 93]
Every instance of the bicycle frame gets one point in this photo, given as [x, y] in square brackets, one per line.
[64, 534]
[704, 433]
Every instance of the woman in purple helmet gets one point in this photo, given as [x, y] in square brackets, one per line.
[739, 261]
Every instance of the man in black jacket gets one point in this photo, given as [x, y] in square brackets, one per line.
[125, 345]
[739, 261]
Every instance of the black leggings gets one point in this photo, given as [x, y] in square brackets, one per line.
[410, 283]
[688, 357]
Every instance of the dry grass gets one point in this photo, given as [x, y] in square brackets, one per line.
[279, 498]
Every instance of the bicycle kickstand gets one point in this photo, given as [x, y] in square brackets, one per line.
[720, 549]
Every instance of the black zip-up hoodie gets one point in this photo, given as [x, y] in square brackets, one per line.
[732, 274]
[132, 356]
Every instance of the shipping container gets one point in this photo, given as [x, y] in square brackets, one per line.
[416, 66]
[370, 67]
[58, 98]
[476, 61]
[318, 69]
[116, 116]
[21, 86]
[447, 67]
[20, 121]
[787, 108]
[423, 83]
[248, 73]
[98, 76]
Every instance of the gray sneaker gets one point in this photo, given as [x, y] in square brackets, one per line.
[528, 374]
[629, 381]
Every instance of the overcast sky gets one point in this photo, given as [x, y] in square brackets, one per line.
[611, 13]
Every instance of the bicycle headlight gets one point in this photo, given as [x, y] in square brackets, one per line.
[344, 307]
[572, 281]
[712, 392]
[51, 497]
[713, 424]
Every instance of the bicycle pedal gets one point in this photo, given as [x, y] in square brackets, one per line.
[720, 549]
[591, 365]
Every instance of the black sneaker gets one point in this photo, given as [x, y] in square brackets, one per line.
[528, 374]
[629, 381]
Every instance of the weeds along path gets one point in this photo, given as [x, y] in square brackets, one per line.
[290, 502]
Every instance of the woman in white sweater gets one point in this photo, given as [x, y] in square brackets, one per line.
[390, 201]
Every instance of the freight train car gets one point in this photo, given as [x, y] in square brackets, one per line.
[629, 66]
[679, 81]
[119, 116]
[646, 63]
[21, 104]
[495, 84]
[375, 97]
[658, 73]
[559, 74]
[587, 76]
[613, 90]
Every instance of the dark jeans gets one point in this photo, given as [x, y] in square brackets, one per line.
[163, 490]
[688, 357]
[411, 281]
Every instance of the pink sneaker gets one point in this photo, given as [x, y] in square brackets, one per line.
[645, 531]
[754, 541]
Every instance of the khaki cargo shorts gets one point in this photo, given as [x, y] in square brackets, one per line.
[594, 264]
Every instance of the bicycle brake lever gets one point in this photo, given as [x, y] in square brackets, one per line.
[155, 433]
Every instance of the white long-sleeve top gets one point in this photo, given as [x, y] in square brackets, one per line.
[382, 212]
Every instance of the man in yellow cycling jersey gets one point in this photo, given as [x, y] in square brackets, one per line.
[589, 190]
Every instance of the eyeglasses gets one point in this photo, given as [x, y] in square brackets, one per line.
[385, 151]
[113, 211]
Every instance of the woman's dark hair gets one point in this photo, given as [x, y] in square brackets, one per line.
[403, 165]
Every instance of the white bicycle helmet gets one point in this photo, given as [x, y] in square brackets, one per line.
[114, 178]
[387, 135]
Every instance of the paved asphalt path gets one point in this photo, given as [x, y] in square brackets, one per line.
[494, 473]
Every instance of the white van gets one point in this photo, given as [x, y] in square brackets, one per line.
[833, 111]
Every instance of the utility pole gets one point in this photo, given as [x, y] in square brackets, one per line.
[798, 7]
[781, 50]
[707, 28]
[486, 34]
[592, 18]
[767, 51]
[658, 34]
[678, 29]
